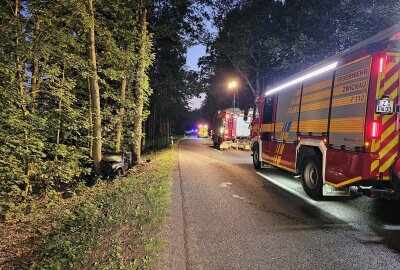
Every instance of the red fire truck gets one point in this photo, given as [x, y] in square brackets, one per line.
[229, 125]
[335, 125]
[224, 126]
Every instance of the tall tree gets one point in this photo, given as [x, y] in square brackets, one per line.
[94, 91]
[141, 81]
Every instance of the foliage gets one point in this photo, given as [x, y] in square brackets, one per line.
[263, 42]
[175, 25]
[46, 119]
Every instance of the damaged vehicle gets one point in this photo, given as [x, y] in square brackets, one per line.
[116, 164]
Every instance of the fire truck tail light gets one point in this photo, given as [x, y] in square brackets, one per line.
[375, 130]
[381, 64]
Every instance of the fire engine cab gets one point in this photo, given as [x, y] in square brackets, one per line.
[336, 124]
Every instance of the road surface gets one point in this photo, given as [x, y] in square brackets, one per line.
[226, 215]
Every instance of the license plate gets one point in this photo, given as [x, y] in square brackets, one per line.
[384, 106]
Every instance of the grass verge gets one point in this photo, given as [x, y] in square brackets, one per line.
[108, 226]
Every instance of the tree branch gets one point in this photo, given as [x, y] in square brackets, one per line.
[248, 82]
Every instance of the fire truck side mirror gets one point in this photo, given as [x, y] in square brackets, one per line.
[246, 113]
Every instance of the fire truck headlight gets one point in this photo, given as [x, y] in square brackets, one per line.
[221, 130]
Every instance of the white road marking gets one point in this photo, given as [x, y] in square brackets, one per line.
[238, 197]
[391, 227]
[225, 185]
[301, 196]
[217, 150]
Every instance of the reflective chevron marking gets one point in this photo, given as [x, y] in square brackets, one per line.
[387, 146]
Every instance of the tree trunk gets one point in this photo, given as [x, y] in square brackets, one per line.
[139, 94]
[35, 69]
[18, 61]
[59, 110]
[258, 81]
[121, 113]
[95, 93]
[20, 83]
[90, 130]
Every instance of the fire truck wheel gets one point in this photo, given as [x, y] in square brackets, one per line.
[311, 173]
[256, 158]
[395, 171]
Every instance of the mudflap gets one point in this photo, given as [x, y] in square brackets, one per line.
[264, 165]
[328, 190]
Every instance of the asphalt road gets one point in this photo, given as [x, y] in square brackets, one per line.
[226, 215]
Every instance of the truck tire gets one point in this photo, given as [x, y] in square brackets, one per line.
[395, 173]
[256, 157]
[311, 176]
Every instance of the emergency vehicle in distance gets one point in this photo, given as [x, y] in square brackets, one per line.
[336, 124]
[203, 131]
[230, 124]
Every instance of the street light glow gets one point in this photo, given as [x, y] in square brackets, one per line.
[303, 78]
[232, 84]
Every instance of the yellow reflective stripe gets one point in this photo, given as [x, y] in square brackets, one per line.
[283, 167]
[315, 106]
[281, 150]
[393, 94]
[318, 95]
[352, 180]
[388, 162]
[347, 125]
[320, 125]
[391, 81]
[388, 147]
[267, 127]
[295, 101]
[374, 165]
[317, 86]
[375, 145]
[279, 127]
[386, 118]
[388, 131]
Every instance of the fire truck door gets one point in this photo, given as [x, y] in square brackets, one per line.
[267, 129]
